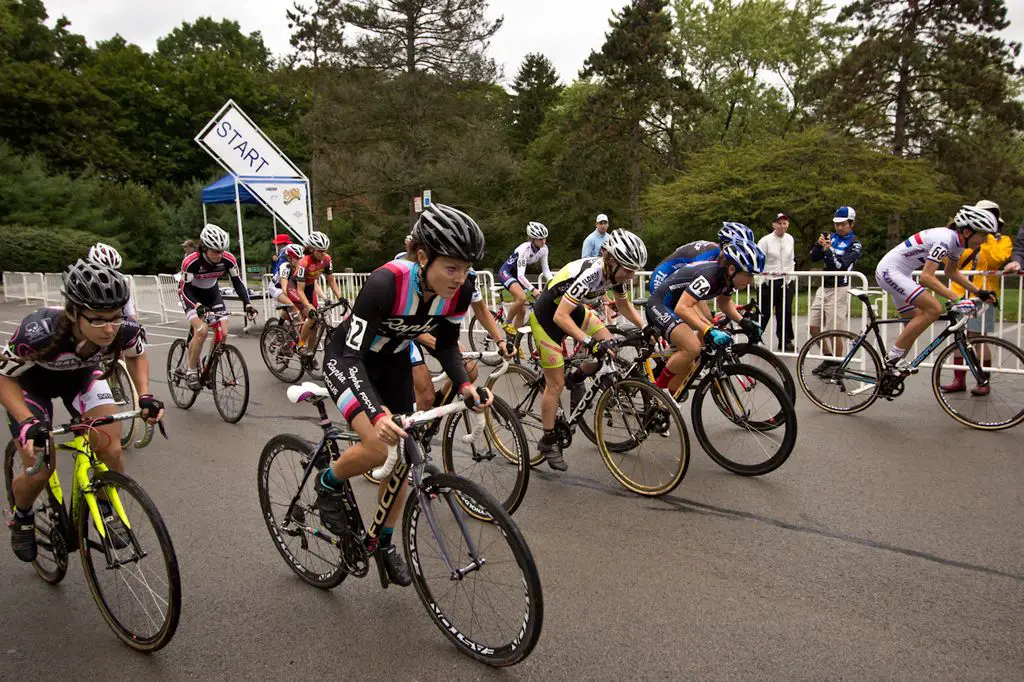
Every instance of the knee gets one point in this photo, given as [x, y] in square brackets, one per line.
[472, 370]
[112, 455]
[200, 332]
[555, 386]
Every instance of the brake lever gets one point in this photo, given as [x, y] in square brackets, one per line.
[163, 431]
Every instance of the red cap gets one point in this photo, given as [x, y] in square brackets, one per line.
[282, 239]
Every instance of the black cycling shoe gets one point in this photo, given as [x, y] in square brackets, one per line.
[554, 455]
[394, 564]
[114, 527]
[331, 505]
[23, 537]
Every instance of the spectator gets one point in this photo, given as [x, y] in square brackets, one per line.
[831, 304]
[190, 246]
[592, 244]
[994, 254]
[776, 290]
[280, 241]
[1016, 263]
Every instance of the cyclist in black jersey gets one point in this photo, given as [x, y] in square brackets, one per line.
[367, 366]
[56, 353]
[675, 309]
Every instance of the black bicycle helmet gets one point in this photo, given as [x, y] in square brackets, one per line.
[446, 231]
[93, 286]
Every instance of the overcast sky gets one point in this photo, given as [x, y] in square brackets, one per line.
[563, 30]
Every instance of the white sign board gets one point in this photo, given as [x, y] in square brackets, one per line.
[287, 199]
[237, 144]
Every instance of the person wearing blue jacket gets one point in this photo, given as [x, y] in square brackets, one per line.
[831, 305]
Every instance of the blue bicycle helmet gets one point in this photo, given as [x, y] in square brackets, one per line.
[731, 232]
[745, 255]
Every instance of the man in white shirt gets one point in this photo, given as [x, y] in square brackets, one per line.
[776, 291]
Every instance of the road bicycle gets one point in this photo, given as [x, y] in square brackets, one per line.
[859, 376]
[125, 394]
[279, 344]
[223, 371]
[131, 564]
[637, 428]
[459, 542]
[480, 339]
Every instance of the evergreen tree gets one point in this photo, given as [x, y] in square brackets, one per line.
[536, 89]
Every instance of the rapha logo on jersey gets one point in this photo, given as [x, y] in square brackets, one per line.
[396, 324]
[700, 287]
[353, 379]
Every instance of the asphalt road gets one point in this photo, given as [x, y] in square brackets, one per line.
[890, 545]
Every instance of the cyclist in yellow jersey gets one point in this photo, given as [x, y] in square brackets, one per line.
[559, 312]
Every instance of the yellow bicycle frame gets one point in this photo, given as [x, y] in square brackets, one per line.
[83, 487]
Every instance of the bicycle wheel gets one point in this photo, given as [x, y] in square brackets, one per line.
[315, 365]
[498, 462]
[479, 340]
[177, 358]
[654, 447]
[502, 563]
[51, 562]
[521, 388]
[993, 364]
[123, 390]
[771, 364]
[751, 428]
[313, 558]
[231, 385]
[134, 577]
[277, 346]
[844, 389]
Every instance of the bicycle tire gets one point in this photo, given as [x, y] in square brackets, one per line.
[316, 369]
[525, 403]
[944, 398]
[128, 487]
[656, 404]
[516, 453]
[444, 487]
[485, 339]
[177, 357]
[218, 385]
[123, 389]
[809, 383]
[719, 456]
[778, 365]
[54, 528]
[324, 580]
[273, 342]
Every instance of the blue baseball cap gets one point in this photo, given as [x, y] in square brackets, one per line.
[843, 214]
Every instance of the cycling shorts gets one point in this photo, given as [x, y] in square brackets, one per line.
[81, 390]
[191, 297]
[551, 350]
[662, 318]
[390, 374]
[900, 286]
[310, 291]
[508, 278]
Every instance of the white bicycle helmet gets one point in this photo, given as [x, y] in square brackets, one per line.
[993, 208]
[318, 241]
[977, 219]
[212, 237]
[292, 251]
[627, 248]
[535, 230]
[102, 254]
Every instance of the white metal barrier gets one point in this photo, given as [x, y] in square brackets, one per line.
[146, 296]
[167, 292]
[52, 283]
[35, 286]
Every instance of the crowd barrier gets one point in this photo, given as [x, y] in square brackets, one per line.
[157, 295]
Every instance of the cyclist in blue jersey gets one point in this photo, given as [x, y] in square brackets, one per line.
[513, 273]
[699, 251]
[675, 311]
[367, 367]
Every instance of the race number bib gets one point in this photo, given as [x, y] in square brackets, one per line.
[579, 290]
[700, 288]
[11, 366]
[938, 253]
[356, 329]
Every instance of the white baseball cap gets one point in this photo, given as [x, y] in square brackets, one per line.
[601, 218]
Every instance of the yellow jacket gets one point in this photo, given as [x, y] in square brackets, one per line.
[993, 255]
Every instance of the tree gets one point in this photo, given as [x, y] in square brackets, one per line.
[806, 174]
[536, 89]
[638, 71]
[445, 37]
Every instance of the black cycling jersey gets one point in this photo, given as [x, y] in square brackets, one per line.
[199, 273]
[35, 334]
[388, 313]
[703, 281]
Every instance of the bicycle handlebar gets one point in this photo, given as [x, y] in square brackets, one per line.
[411, 420]
[82, 426]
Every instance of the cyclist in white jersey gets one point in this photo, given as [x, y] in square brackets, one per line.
[104, 254]
[513, 273]
[926, 250]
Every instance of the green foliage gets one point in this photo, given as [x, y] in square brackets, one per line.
[536, 89]
[807, 175]
[43, 249]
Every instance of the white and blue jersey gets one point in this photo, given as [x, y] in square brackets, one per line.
[513, 270]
